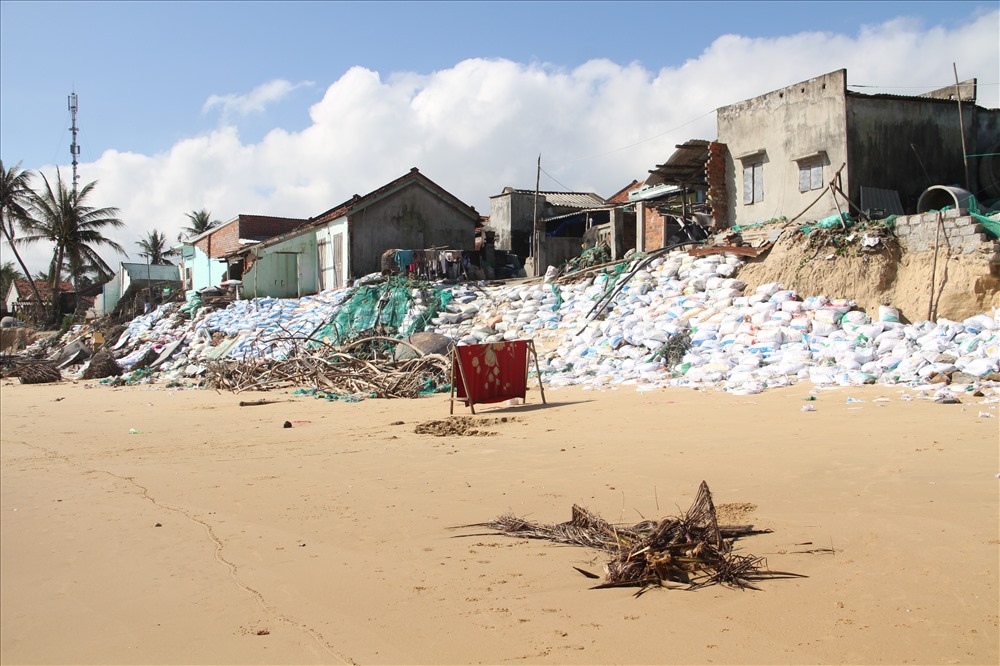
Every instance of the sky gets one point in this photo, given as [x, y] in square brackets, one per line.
[291, 108]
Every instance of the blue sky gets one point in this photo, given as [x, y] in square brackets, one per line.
[290, 108]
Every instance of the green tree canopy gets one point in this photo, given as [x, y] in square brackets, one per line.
[15, 198]
[154, 248]
[8, 273]
[62, 216]
[200, 222]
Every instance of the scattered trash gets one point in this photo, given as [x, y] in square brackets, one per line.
[263, 632]
[158, 525]
[948, 400]
[134, 431]
[986, 415]
[287, 424]
[808, 408]
[850, 400]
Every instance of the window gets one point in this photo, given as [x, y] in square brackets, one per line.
[753, 182]
[810, 175]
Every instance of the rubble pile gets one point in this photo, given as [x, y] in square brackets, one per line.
[661, 320]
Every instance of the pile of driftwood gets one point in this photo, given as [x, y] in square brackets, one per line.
[688, 552]
[336, 371]
[102, 365]
[35, 372]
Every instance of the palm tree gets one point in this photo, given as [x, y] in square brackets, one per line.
[8, 273]
[15, 196]
[154, 248]
[62, 217]
[201, 221]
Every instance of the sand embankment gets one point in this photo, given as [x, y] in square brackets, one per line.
[181, 543]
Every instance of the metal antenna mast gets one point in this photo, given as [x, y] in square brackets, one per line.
[74, 149]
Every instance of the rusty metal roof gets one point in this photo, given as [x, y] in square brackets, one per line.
[685, 167]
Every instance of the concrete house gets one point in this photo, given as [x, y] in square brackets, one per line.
[784, 147]
[563, 219]
[20, 297]
[203, 258]
[348, 240]
[135, 280]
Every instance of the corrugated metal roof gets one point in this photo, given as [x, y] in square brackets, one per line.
[567, 199]
[876, 197]
[157, 272]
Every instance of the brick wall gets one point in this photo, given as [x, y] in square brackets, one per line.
[222, 241]
[264, 226]
[226, 238]
[715, 175]
[960, 232]
[653, 228]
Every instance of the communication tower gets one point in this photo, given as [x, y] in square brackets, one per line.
[74, 149]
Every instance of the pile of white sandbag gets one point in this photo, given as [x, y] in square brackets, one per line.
[608, 330]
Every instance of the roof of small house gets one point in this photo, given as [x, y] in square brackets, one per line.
[357, 202]
[25, 293]
[561, 199]
[153, 272]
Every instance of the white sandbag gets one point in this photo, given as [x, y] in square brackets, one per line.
[888, 313]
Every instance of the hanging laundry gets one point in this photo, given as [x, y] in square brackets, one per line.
[404, 258]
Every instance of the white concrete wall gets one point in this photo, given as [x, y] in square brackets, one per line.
[802, 119]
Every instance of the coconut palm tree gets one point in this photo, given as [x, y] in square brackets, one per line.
[154, 248]
[8, 273]
[201, 221]
[61, 216]
[15, 197]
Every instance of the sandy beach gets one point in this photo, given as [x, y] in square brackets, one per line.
[214, 535]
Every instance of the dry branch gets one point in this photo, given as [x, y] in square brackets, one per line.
[692, 550]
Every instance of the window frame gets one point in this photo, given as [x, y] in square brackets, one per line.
[753, 181]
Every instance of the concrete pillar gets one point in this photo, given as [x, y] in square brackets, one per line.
[640, 227]
[617, 233]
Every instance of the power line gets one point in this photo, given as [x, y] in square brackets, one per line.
[632, 145]
[553, 178]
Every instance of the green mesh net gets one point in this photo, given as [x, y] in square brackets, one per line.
[386, 306]
[992, 226]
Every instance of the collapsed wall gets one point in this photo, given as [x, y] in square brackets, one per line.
[965, 273]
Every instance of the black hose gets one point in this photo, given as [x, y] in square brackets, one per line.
[609, 296]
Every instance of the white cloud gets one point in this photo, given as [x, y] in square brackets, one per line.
[479, 126]
[255, 101]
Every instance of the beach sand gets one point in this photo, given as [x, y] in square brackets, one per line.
[215, 535]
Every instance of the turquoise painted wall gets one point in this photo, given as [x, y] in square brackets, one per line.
[205, 271]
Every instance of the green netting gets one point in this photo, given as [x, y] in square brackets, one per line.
[840, 219]
[558, 295]
[385, 306]
[992, 226]
[594, 256]
[613, 273]
[755, 225]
